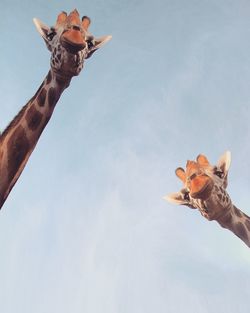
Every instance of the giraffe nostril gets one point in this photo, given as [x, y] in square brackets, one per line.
[75, 27]
[193, 176]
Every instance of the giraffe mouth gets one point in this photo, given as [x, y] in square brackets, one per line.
[73, 41]
[201, 187]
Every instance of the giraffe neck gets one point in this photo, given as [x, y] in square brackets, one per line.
[237, 222]
[21, 136]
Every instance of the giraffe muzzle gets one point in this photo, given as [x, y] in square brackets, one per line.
[72, 40]
[201, 187]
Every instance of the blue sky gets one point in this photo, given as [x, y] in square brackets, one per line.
[85, 229]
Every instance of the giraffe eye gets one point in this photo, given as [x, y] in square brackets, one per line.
[90, 41]
[186, 196]
[51, 33]
[193, 176]
[219, 173]
[90, 44]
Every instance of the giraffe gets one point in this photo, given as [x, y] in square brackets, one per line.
[70, 44]
[205, 189]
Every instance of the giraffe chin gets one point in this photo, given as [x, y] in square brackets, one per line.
[72, 65]
[72, 47]
[205, 192]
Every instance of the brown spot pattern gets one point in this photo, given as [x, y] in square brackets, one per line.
[216, 188]
[53, 96]
[241, 231]
[237, 212]
[18, 147]
[37, 92]
[220, 196]
[14, 122]
[33, 118]
[20, 115]
[247, 223]
[49, 78]
[60, 82]
[41, 97]
[226, 220]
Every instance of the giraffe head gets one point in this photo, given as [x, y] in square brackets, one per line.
[69, 43]
[204, 186]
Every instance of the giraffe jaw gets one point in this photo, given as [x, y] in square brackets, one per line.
[72, 65]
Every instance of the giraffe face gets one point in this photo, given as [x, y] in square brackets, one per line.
[204, 186]
[196, 179]
[69, 43]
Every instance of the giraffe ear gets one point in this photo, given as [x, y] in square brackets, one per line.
[176, 198]
[180, 198]
[96, 43]
[202, 160]
[223, 167]
[224, 162]
[44, 31]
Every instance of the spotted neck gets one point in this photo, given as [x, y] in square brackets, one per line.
[21, 136]
[219, 207]
[237, 222]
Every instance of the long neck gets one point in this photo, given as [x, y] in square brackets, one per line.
[238, 222]
[21, 136]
